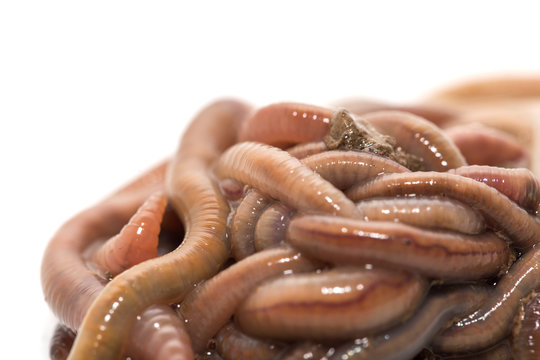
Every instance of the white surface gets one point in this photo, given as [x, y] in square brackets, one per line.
[92, 93]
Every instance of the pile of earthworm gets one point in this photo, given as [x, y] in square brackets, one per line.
[292, 231]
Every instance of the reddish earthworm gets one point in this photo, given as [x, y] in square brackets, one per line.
[431, 253]
[204, 212]
[346, 168]
[279, 175]
[303, 150]
[243, 223]
[520, 185]
[232, 189]
[271, 226]
[434, 212]
[521, 227]
[526, 334]
[493, 321]
[207, 308]
[336, 304]
[61, 342]
[419, 137]
[285, 124]
[408, 339]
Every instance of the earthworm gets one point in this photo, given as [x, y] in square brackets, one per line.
[419, 137]
[231, 189]
[346, 168]
[493, 321]
[243, 223]
[271, 226]
[203, 210]
[307, 350]
[61, 342]
[519, 185]
[277, 174]
[521, 227]
[526, 334]
[408, 339]
[434, 212]
[303, 150]
[284, 124]
[431, 253]
[336, 304]
[210, 305]
[496, 89]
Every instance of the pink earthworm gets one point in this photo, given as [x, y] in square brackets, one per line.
[336, 304]
[285, 124]
[483, 145]
[232, 189]
[495, 88]
[493, 321]
[346, 168]
[136, 242]
[243, 223]
[303, 150]
[279, 175]
[425, 212]
[61, 342]
[519, 185]
[207, 308]
[271, 226]
[196, 198]
[405, 341]
[440, 255]
[419, 137]
[526, 334]
[522, 228]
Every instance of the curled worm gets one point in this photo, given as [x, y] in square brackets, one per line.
[271, 226]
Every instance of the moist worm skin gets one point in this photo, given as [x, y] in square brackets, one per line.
[271, 226]
[493, 321]
[519, 185]
[440, 255]
[286, 123]
[435, 213]
[277, 174]
[303, 150]
[521, 227]
[526, 334]
[347, 168]
[337, 304]
[207, 308]
[243, 223]
[61, 342]
[407, 340]
[203, 210]
[306, 350]
[419, 137]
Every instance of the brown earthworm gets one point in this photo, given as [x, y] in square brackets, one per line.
[493, 321]
[271, 226]
[336, 304]
[279, 175]
[61, 342]
[519, 185]
[526, 334]
[307, 350]
[243, 223]
[303, 150]
[203, 211]
[434, 212]
[419, 137]
[346, 168]
[207, 308]
[431, 253]
[406, 340]
[521, 227]
[285, 124]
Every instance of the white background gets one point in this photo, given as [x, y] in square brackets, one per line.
[94, 92]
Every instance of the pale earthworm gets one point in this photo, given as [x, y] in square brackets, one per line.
[426, 212]
[271, 226]
[519, 185]
[277, 174]
[336, 304]
[419, 137]
[526, 333]
[303, 150]
[232, 344]
[439, 255]
[136, 242]
[243, 221]
[493, 321]
[522, 228]
[284, 124]
[203, 210]
[483, 145]
[210, 306]
[406, 340]
[496, 89]
[61, 342]
[346, 168]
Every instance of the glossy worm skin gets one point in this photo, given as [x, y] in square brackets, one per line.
[203, 211]
[303, 150]
[211, 305]
[522, 228]
[408, 339]
[336, 304]
[419, 137]
[271, 226]
[526, 334]
[434, 254]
